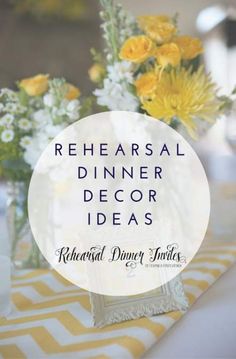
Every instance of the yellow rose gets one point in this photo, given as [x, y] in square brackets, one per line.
[159, 28]
[35, 86]
[168, 54]
[72, 92]
[146, 84]
[137, 49]
[190, 47]
[96, 73]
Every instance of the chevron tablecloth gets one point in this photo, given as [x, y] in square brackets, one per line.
[51, 317]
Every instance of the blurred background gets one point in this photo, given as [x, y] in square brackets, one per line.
[55, 37]
[48, 36]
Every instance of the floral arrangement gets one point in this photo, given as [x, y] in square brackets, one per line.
[31, 117]
[149, 67]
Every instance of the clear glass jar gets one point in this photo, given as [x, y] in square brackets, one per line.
[5, 287]
[24, 250]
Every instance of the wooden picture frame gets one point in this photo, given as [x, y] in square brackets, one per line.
[108, 310]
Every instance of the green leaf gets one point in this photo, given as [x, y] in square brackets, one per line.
[86, 106]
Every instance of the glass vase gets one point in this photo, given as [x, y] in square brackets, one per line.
[24, 250]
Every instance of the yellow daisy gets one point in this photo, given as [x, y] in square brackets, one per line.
[186, 96]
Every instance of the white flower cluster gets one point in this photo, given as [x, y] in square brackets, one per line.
[49, 121]
[11, 107]
[36, 124]
[116, 92]
[117, 26]
[127, 25]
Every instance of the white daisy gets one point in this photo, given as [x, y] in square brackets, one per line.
[11, 95]
[24, 124]
[7, 135]
[14, 107]
[25, 141]
[6, 120]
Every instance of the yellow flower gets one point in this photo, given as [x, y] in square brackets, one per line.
[72, 92]
[146, 84]
[190, 47]
[35, 86]
[137, 49]
[96, 72]
[159, 28]
[186, 96]
[168, 54]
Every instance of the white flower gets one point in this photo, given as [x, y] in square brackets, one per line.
[52, 131]
[11, 95]
[1, 107]
[61, 111]
[6, 120]
[35, 148]
[109, 57]
[73, 105]
[14, 107]
[35, 145]
[121, 71]
[115, 93]
[25, 141]
[73, 116]
[49, 100]
[116, 96]
[24, 124]
[72, 110]
[42, 118]
[7, 136]
[128, 26]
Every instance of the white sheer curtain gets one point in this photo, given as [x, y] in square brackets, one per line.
[220, 60]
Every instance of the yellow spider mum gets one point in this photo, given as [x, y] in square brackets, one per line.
[186, 96]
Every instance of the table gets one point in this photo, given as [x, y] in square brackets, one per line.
[208, 330]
